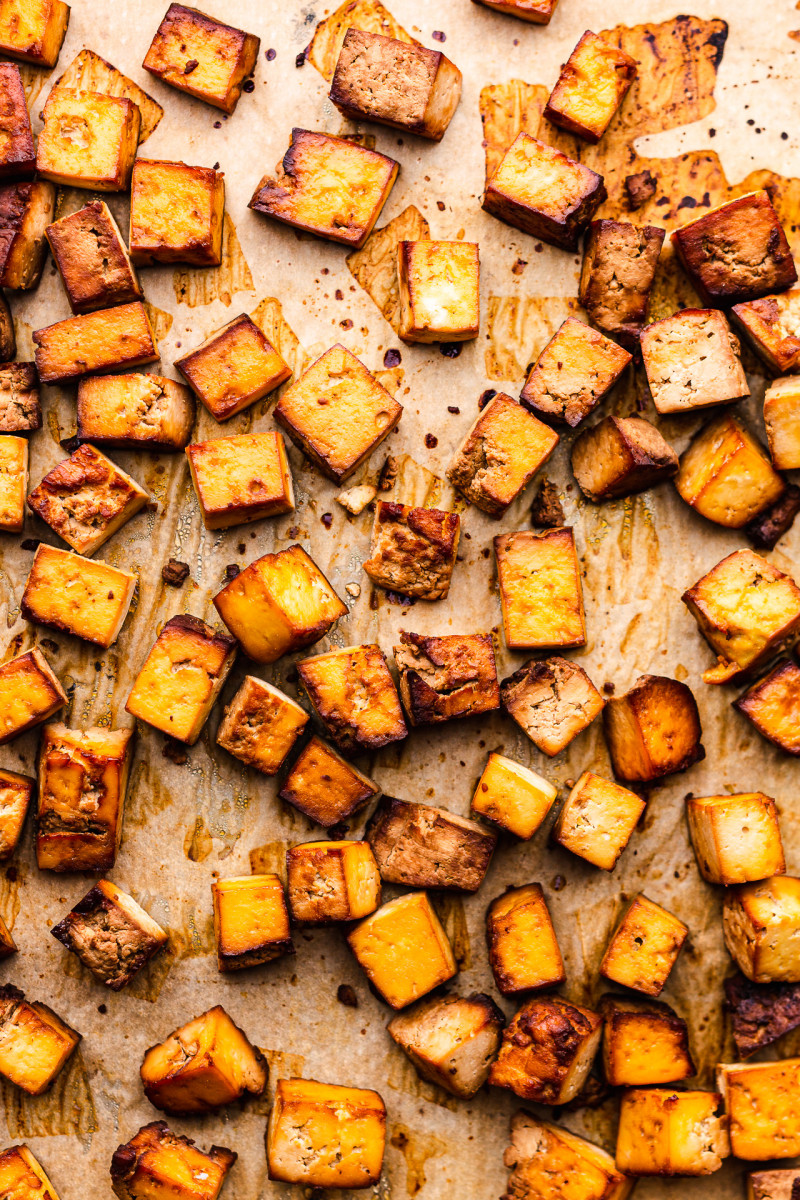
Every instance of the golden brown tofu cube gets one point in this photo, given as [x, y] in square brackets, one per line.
[782, 421]
[22, 1177]
[552, 701]
[540, 589]
[353, 694]
[547, 1050]
[523, 949]
[177, 213]
[34, 1043]
[30, 692]
[86, 499]
[736, 838]
[280, 603]
[692, 361]
[761, 1103]
[671, 1133]
[16, 793]
[576, 370]
[439, 284]
[88, 140]
[33, 30]
[17, 152]
[337, 413]
[324, 787]
[539, 190]
[13, 483]
[324, 1135]
[92, 259]
[621, 456]
[769, 326]
[89, 600]
[773, 706]
[20, 410]
[233, 368]
[773, 1185]
[644, 947]
[451, 1040]
[413, 550]
[653, 730]
[201, 56]
[593, 83]
[251, 921]
[444, 678]
[737, 251]
[261, 725]
[547, 1162]
[760, 922]
[332, 881]
[512, 796]
[597, 820]
[403, 949]
[241, 479]
[111, 934]
[26, 210]
[419, 846]
[98, 341]
[327, 186]
[157, 1164]
[619, 266]
[135, 412]
[725, 475]
[538, 12]
[644, 1042]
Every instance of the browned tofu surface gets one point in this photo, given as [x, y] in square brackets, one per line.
[644, 1043]
[759, 924]
[17, 153]
[98, 341]
[442, 678]
[547, 1050]
[33, 30]
[16, 793]
[233, 368]
[773, 1185]
[26, 209]
[593, 83]
[619, 267]
[34, 1042]
[8, 340]
[88, 140]
[639, 188]
[552, 701]
[621, 456]
[88, 599]
[157, 1160]
[241, 479]
[653, 730]
[538, 12]
[201, 56]
[177, 213]
[353, 694]
[20, 409]
[451, 1040]
[540, 1152]
[261, 725]
[13, 483]
[770, 325]
[329, 882]
[30, 692]
[539, 576]
[773, 706]
[133, 412]
[725, 475]
[92, 259]
[760, 1012]
[419, 846]
[439, 284]
[692, 361]
[324, 786]
[413, 550]
[576, 370]
[111, 934]
[644, 947]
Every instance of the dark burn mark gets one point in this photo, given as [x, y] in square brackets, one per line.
[391, 359]
[327, 520]
[450, 349]
[485, 397]
[430, 441]
[191, 65]
[438, 36]
[717, 41]
[270, 55]
[248, 86]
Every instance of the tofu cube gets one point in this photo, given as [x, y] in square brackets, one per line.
[332, 881]
[644, 947]
[576, 370]
[251, 921]
[353, 694]
[233, 368]
[33, 30]
[653, 730]
[111, 934]
[261, 725]
[403, 950]
[736, 838]
[552, 701]
[644, 1043]
[417, 845]
[177, 213]
[597, 820]
[692, 361]
[201, 56]
[737, 251]
[13, 483]
[89, 140]
[547, 1050]
[132, 412]
[593, 83]
[725, 475]
[241, 479]
[621, 456]
[538, 12]
[446, 678]
[761, 924]
[413, 550]
[761, 1103]
[439, 286]
[760, 1013]
[157, 1164]
[337, 413]
[30, 692]
[512, 796]
[782, 421]
[540, 589]
[8, 340]
[20, 410]
[768, 325]
[545, 1160]
[323, 1135]
[523, 949]
[667, 1133]
[92, 259]
[7, 944]
[541, 191]
[93, 342]
[451, 1040]
[17, 151]
[324, 787]
[34, 1042]
[327, 186]
[772, 704]
[26, 210]
[773, 1185]
[89, 600]
[766, 530]
[16, 793]
[619, 267]
[22, 1177]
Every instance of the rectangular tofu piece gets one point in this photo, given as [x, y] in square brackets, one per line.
[132, 412]
[33, 30]
[111, 934]
[644, 947]
[26, 210]
[324, 1135]
[666, 1133]
[725, 475]
[439, 286]
[17, 151]
[89, 600]
[88, 140]
[760, 1013]
[13, 483]
[241, 479]
[523, 949]
[761, 1103]
[261, 725]
[201, 56]
[234, 367]
[30, 692]
[413, 550]
[332, 881]
[16, 793]
[403, 949]
[547, 1050]
[782, 421]
[251, 921]
[446, 678]
[324, 787]
[512, 797]
[552, 701]
[653, 730]
[92, 259]
[597, 820]
[157, 1163]
[619, 267]
[736, 838]
[760, 922]
[34, 1043]
[621, 456]
[177, 213]
[644, 1043]
[417, 845]
[771, 326]
[539, 576]
[23, 1177]
[576, 370]
[692, 361]
[353, 694]
[542, 1156]
[20, 409]
[537, 12]
[451, 1040]
[93, 342]
[772, 704]
[593, 83]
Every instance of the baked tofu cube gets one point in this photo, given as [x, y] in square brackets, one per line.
[89, 140]
[233, 368]
[523, 950]
[16, 793]
[725, 475]
[353, 694]
[737, 251]
[332, 881]
[576, 370]
[644, 947]
[537, 12]
[512, 796]
[692, 361]
[22, 1177]
[773, 1185]
[92, 259]
[761, 1103]
[337, 413]
[176, 213]
[736, 838]
[500, 455]
[773, 706]
[89, 600]
[33, 30]
[98, 341]
[324, 787]
[261, 725]
[420, 846]
[760, 1013]
[17, 152]
[34, 1043]
[30, 692]
[444, 678]
[653, 730]
[26, 210]
[760, 922]
[327, 186]
[621, 456]
[251, 921]
[619, 266]
[20, 410]
[403, 950]
[547, 1050]
[8, 340]
[547, 1162]
[540, 589]
[451, 1040]
[782, 421]
[597, 820]
[241, 479]
[323, 1135]
[201, 56]
[662, 1132]
[552, 701]
[157, 1164]
[135, 412]
[111, 934]
[413, 550]
[593, 83]
[439, 285]
[539, 190]
[766, 530]
[644, 1043]
[13, 483]
[768, 325]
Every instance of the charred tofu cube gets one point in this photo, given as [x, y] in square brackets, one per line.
[111, 934]
[644, 947]
[251, 921]
[26, 210]
[34, 1043]
[547, 1162]
[540, 589]
[621, 456]
[725, 475]
[773, 1185]
[413, 550]
[33, 30]
[619, 266]
[332, 881]
[323, 1135]
[671, 1133]
[93, 342]
[445, 678]
[89, 600]
[512, 796]
[16, 793]
[89, 140]
[552, 701]
[241, 479]
[420, 846]
[644, 1043]
[737, 251]
[176, 213]
[92, 259]
[539, 190]
[233, 368]
[13, 483]
[201, 56]
[692, 361]
[538, 12]
[760, 1012]
[761, 1103]
[403, 950]
[761, 922]
[261, 725]
[593, 83]
[547, 1050]
[337, 413]
[30, 692]
[597, 820]
[773, 706]
[736, 838]
[769, 325]
[327, 186]
[353, 694]
[523, 949]
[439, 284]
[157, 1164]
[20, 410]
[451, 1040]
[7, 944]
[22, 1177]
[135, 412]
[782, 420]
[17, 152]
[576, 370]
[324, 787]
[653, 730]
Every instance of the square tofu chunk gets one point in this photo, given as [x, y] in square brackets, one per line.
[619, 266]
[233, 368]
[111, 934]
[782, 421]
[202, 1066]
[16, 793]
[337, 413]
[737, 838]
[332, 881]
[33, 30]
[593, 83]
[671, 1133]
[540, 589]
[13, 483]
[773, 1185]
[500, 455]
[132, 412]
[692, 361]
[451, 1040]
[547, 1162]
[241, 479]
[92, 259]
[443, 678]
[17, 152]
[761, 923]
[547, 1050]
[280, 603]
[199, 55]
[88, 140]
[576, 370]
[98, 341]
[761, 1103]
[413, 550]
[552, 701]
[22, 1177]
[770, 326]
[621, 456]
[597, 820]
[327, 186]
[26, 210]
[157, 1164]
[251, 921]
[30, 692]
[180, 679]
[773, 706]
[653, 730]
[725, 475]
[403, 950]
[261, 725]
[89, 600]
[644, 947]
[523, 950]
[34, 1043]
[737, 251]
[323, 1135]
[324, 787]
[176, 213]
[20, 409]
[353, 694]
[417, 845]
[538, 12]
[512, 796]
[439, 286]
[644, 1043]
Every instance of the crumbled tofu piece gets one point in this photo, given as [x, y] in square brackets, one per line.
[413, 550]
[20, 410]
[420, 846]
[111, 934]
[356, 499]
[445, 678]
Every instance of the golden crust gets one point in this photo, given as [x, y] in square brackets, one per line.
[773, 706]
[644, 947]
[653, 730]
[619, 266]
[547, 1050]
[593, 83]
[111, 935]
[576, 370]
[523, 949]
[241, 479]
[88, 599]
[92, 259]
[156, 1159]
[177, 213]
[135, 412]
[443, 678]
[540, 589]
[88, 140]
[353, 694]
[201, 56]
[439, 286]
[324, 787]
[33, 30]
[17, 153]
[30, 692]
[413, 550]
[621, 456]
[233, 368]
[93, 342]
[26, 210]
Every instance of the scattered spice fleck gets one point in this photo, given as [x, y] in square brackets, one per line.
[300, 61]
[292, 676]
[609, 688]
[346, 995]
[248, 86]
[450, 349]
[231, 571]
[559, 883]
[440, 205]
[519, 266]
[270, 55]
[485, 397]
[241, 548]
[101, 1008]
[431, 441]
[327, 520]
[454, 409]
[30, 543]
[438, 36]
[218, 124]
[346, 323]
[339, 294]
[293, 531]
[392, 358]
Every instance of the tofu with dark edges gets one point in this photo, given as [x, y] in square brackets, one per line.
[552, 701]
[92, 259]
[644, 947]
[760, 1013]
[325, 1135]
[241, 479]
[26, 210]
[769, 327]
[645, 1043]
[233, 367]
[782, 421]
[761, 1103]
[30, 692]
[34, 1043]
[87, 599]
[593, 83]
[417, 845]
[20, 408]
[653, 730]
[773, 1185]
[89, 140]
[201, 56]
[537, 12]
[736, 838]
[451, 1040]
[760, 922]
[692, 361]
[621, 456]
[547, 1050]
[512, 797]
[575, 371]
[94, 342]
[597, 820]
[403, 949]
[618, 272]
[22, 1176]
[260, 725]
[666, 1133]
[135, 412]
[523, 949]
[772, 705]
[251, 921]
[413, 550]
[324, 787]
[111, 934]
[446, 678]
[8, 339]
[157, 1164]
[546, 1160]
[16, 794]
[177, 213]
[33, 30]
[439, 287]
[13, 483]
[353, 694]
[332, 881]
[17, 151]
[539, 577]
[726, 477]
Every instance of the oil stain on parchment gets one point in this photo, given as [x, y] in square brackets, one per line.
[282, 1065]
[450, 911]
[204, 285]
[91, 73]
[518, 328]
[67, 1108]
[401, 1075]
[369, 15]
[269, 318]
[160, 320]
[417, 1150]
[269, 859]
[198, 843]
[191, 935]
[374, 266]
[10, 881]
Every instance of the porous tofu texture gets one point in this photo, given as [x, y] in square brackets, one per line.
[771, 325]
[621, 456]
[233, 368]
[13, 483]
[662, 1132]
[98, 341]
[619, 266]
[773, 706]
[261, 725]
[552, 701]
[772, 1185]
[251, 921]
[782, 421]
[512, 796]
[540, 589]
[26, 210]
[199, 55]
[761, 923]
[88, 140]
[644, 947]
[111, 934]
[439, 285]
[523, 949]
[576, 370]
[132, 412]
[653, 730]
[417, 845]
[593, 83]
[547, 1050]
[92, 259]
[22, 1177]
[545, 1160]
[443, 678]
[89, 600]
[332, 881]
[241, 479]
[34, 1042]
[16, 792]
[725, 475]
[644, 1043]
[413, 550]
[30, 692]
[324, 787]
[597, 820]
[403, 949]
[451, 1040]
[177, 213]
[20, 410]
[761, 1103]
[328, 186]
[325, 1135]
[157, 1162]
[33, 30]
[353, 694]
[736, 838]
[691, 360]
[17, 153]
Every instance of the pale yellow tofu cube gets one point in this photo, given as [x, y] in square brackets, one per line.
[30, 692]
[540, 589]
[782, 421]
[403, 949]
[439, 286]
[241, 479]
[597, 820]
[736, 838]
[663, 1132]
[761, 923]
[512, 796]
[89, 140]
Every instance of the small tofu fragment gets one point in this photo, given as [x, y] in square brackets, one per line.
[576, 370]
[7, 944]
[736, 838]
[92, 259]
[157, 1164]
[619, 267]
[773, 1185]
[439, 285]
[413, 550]
[16, 793]
[761, 1103]
[111, 934]
[597, 820]
[769, 325]
[766, 530]
[644, 1043]
[17, 152]
[593, 83]
[20, 410]
[644, 947]
[782, 421]
[692, 361]
[772, 704]
[552, 701]
[26, 210]
[653, 730]
[132, 412]
[667, 1133]
[89, 600]
[523, 948]
[34, 1042]
[233, 368]
[13, 483]
[451, 1040]
[403, 950]
[512, 796]
[241, 479]
[761, 924]
[30, 692]
[621, 456]
[540, 589]
[8, 340]
[446, 678]
[93, 342]
[353, 694]
[324, 787]
[761, 1013]
[22, 1177]
[89, 140]
[33, 30]
[420, 846]
[177, 213]
[332, 881]
[726, 477]
[547, 1162]
[201, 56]
[547, 1050]
[251, 921]
[261, 725]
